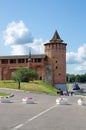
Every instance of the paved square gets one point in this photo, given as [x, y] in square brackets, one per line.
[43, 115]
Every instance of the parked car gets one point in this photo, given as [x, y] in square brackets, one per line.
[75, 86]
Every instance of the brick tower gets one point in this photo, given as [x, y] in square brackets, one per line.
[56, 62]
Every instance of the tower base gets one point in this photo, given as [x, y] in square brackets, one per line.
[61, 86]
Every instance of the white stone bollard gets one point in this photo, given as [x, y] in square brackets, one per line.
[82, 101]
[62, 101]
[5, 100]
[28, 100]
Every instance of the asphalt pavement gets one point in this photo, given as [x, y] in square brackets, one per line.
[44, 114]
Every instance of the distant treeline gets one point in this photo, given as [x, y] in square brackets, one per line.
[76, 78]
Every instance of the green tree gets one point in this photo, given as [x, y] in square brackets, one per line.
[77, 78]
[70, 78]
[83, 78]
[32, 74]
[21, 75]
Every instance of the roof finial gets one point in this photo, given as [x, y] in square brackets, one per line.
[29, 58]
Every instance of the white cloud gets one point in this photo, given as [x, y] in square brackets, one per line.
[71, 57]
[78, 59]
[19, 38]
[81, 68]
[82, 52]
[36, 47]
[16, 33]
[18, 50]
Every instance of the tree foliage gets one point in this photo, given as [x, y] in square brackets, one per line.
[23, 74]
[32, 74]
[76, 78]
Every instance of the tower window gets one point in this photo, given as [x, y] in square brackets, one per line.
[56, 61]
[20, 60]
[56, 67]
[4, 61]
[40, 77]
[38, 60]
[12, 61]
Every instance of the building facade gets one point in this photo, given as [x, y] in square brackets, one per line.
[51, 66]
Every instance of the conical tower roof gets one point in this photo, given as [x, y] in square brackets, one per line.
[56, 37]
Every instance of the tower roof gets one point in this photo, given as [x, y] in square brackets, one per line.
[56, 37]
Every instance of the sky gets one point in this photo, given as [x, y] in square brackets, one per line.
[28, 24]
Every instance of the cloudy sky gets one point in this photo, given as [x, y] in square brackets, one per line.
[28, 24]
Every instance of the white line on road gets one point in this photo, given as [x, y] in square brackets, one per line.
[34, 117]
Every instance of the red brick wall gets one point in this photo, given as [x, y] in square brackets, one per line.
[6, 70]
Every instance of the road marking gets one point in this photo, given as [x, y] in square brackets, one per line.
[34, 117]
[17, 127]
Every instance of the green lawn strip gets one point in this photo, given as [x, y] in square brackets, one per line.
[4, 94]
[39, 86]
[33, 86]
[8, 84]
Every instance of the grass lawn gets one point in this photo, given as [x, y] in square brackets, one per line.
[3, 94]
[32, 86]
